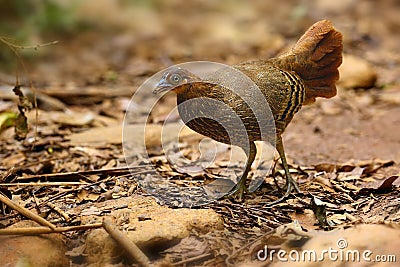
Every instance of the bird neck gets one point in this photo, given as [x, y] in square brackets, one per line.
[190, 91]
[182, 89]
[183, 93]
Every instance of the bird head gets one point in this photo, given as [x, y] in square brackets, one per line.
[174, 79]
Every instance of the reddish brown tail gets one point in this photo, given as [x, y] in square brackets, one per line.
[316, 58]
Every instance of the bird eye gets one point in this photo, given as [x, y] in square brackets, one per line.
[176, 78]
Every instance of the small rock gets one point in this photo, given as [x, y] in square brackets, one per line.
[356, 72]
[164, 227]
[34, 251]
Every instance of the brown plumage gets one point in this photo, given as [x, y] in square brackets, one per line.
[307, 71]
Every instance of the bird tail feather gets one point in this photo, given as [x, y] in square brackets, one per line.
[316, 58]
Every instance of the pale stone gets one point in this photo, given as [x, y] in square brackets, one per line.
[356, 72]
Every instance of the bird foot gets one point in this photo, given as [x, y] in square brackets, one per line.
[293, 183]
[237, 193]
[290, 185]
[279, 200]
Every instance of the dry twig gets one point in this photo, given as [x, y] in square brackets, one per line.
[27, 213]
[126, 243]
[46, 230]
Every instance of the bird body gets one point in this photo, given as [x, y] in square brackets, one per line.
[307, 71]
[283, 92]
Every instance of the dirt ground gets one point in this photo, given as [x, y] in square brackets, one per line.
[344, 151]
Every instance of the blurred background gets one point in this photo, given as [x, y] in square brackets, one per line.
[107, 48]
[120, 41]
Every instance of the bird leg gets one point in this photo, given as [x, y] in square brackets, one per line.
[240, 187]
[289, 180]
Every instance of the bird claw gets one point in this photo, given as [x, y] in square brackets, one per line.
[237, 193]
[291, 183]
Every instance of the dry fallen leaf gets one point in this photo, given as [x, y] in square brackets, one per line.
[385, 187]
[188, 247]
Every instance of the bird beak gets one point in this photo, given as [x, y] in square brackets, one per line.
[162, 86]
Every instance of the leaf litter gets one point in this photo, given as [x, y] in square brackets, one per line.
[343, 151]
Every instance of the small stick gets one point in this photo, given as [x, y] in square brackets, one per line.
[14, 168]
[59, 211]
[58, 195]
[46, 230]
[68, 191]
[36, 203]
[78, 174]
[126, 243]
[44, 184]
[27, 213]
